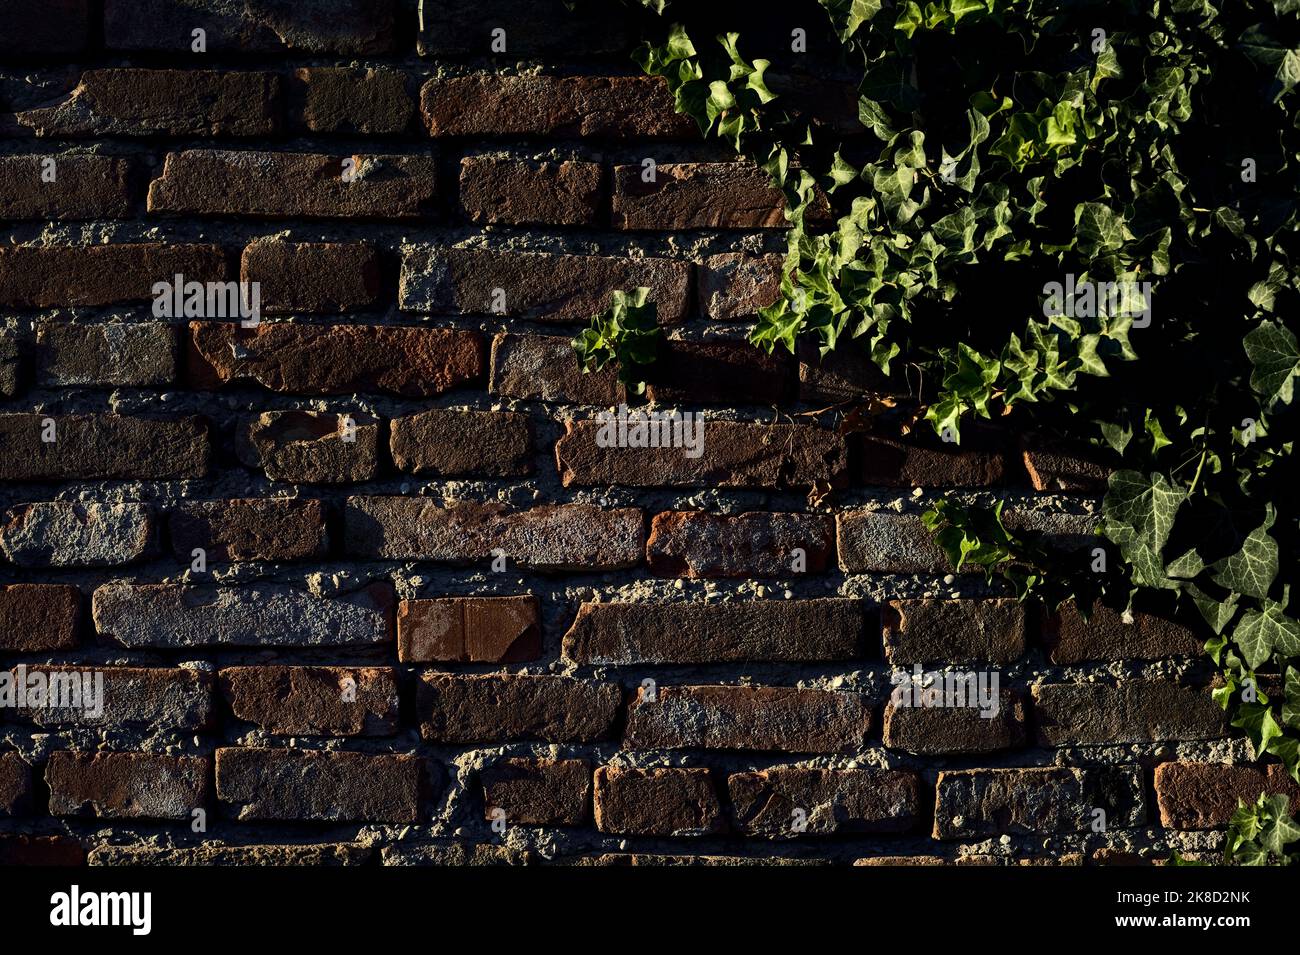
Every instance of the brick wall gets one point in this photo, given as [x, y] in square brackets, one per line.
[363, 584]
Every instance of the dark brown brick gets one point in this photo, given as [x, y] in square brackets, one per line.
[752, 631]
[657, 802]
[1205, 795]
[529, 192]
[734, 454]
[150, 698]
[112, 355]
[313, 700]
[44, 27]
[545, 368]
[496, 709]
[463, 28]
[290, 185]
[11, 363]
[368, 102]
[59, 276]
[892, 463]
[941, 730]
[84, 187]
[845, 374]
[469, 630]
[41, 850]
[887, 542]
[708, 195]
[122, 102]
[1135, 711]
[445, 441]
[538, 286]
[1105, 636]
[307, 447]
[37, 617]
[603, 107]
[699, 544]
[789, 801]
[322, 786]
[15, 785]
[249, 529]
[102, 447]
[719, 372]
[334, 359]
[312, 276]
[538, 792]
[780, 718]
[1065, 469]
[953, 631]
[550, 537]
[127, 785]
[978, 803]
[215, 854]
[733, 286]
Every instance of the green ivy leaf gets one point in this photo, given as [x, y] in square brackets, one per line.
[1275, 357]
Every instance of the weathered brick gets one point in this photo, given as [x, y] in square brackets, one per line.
[1105, 636]
[539, 27]
[445, 441]
[657, 802]
[602, 107]
[124, 102]
[74, 534]
[308, 446]
[126, 785]
[538, 286]
[1054, 467]
[1056, 531]
[289, 185]
[251, 615]
[843, 375]
[11, 364]
[312, 276]
[549, 537]
[249, 529]
[1134, 711]
[544, 368]
[113, 354]
[44, 27]
[706, 195]
[84, 187]
[15, 785]
[530, 192]
[735, 285]
[216, 854]
[346, 27]
[1205, 795]
[953, 631]
[538, 792]
[497, 709]
[753, 544]
[734, 454]
[785, 719]
[150, 698]
[334, 359]
[892, 463]
[887, 542]
[750, 631]
[940, 730]
[313, 700]
[320, 786]
[41, 850]
[102, 447]
[364, 101]
[36, 617]
[469, 630]
[718, 372]
[59, 276]
[456, 855]
[978, 803]
[789, 801]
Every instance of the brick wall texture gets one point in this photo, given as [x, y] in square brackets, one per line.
[363, 583]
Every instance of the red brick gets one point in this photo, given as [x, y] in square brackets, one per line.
[469, 630]
[313, 700]
[733, 286]
[1205, 795]
[59, 276]
[538, 792]
[719, 372]
[312, 276]
[122, 102]
[15, 785]
[699, 544]
[249, 529]
[310, 785]
[529, 192]
[537, 286]
[788, 801]
[1060, 468]
[290, 185]
[334, 359]
[37, 617]
[544, 368]
[708, 195]
[1105, 636]
[749, 631]
[368, 102]
[780, 718]
[154, 699]
[102, 447]
[84, 187]
[953, 631]
[657, 802]
[44, 27]
[549, 537]
[127, 785]
[735, 454]
[445, 441]
[892, 463]
[1134, 711]
[604, 107]
[308, 447]
[497, 709]
[943, 730]
[112, 354]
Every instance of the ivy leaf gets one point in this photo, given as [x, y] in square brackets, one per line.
[1100, 228]
[1138, 514]
[1252, 569]
[1291, 707]
[1275, 357]
[1262, 632]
